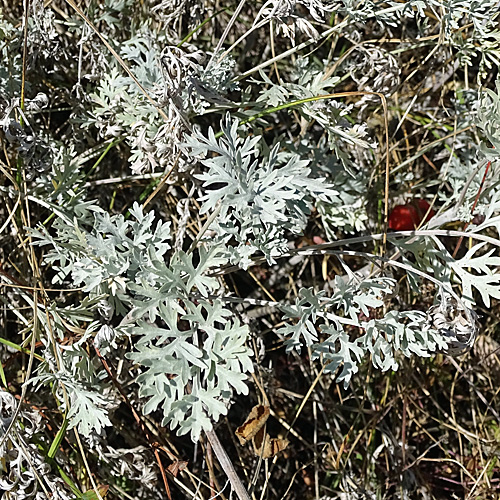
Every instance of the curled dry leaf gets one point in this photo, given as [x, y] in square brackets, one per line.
[457, 323]
[265, 446]
[253, 429]
[254, 422]
[177, 466]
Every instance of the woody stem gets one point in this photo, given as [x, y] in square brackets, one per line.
[227, 466]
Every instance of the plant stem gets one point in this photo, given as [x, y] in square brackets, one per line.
[227, 466]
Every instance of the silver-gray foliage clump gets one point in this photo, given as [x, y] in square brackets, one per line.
[190, 372]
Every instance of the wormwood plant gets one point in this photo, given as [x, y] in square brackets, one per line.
[187, 196]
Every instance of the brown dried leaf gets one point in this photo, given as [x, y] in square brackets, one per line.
[177, 466]
[254, 422]
[266, 446]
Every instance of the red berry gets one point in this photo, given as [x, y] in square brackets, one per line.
[408, 217]
[422, 208]
[403, 218]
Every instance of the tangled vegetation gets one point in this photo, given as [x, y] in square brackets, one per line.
[249, 250]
